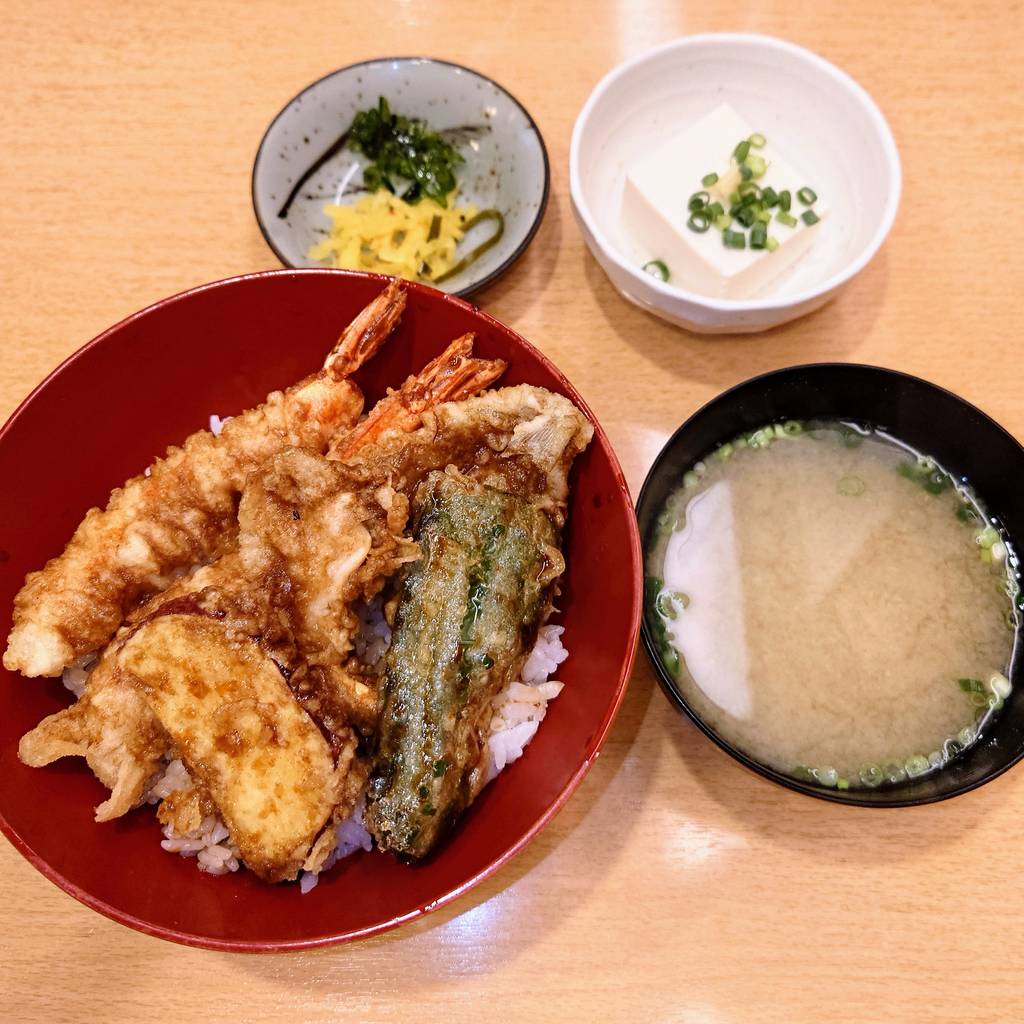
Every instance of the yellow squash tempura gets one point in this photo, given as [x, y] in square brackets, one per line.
[382, 233]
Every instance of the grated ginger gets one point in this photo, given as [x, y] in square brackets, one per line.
[385, 234]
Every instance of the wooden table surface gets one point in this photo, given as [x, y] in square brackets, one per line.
[674, 886]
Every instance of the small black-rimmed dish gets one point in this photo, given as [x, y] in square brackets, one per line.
[304, 161]
[973, 450]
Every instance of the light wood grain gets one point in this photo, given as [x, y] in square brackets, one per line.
[674, 886]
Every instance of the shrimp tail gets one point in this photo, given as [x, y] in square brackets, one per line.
[364, 336]
[451, 377]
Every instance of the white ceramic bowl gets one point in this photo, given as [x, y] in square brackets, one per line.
[506, 164]
[816, 114]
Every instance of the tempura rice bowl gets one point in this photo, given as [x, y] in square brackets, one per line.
[148, 382]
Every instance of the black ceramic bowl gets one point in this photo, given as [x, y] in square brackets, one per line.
[960, 437]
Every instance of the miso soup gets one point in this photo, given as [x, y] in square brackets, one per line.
[834, 604]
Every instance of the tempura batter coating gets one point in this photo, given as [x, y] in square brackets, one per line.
[467, 608]
[112, 727]
[182, 513]
[520, 439]
[315, 548]
[233, 719]
[308, 549]
[321, 545]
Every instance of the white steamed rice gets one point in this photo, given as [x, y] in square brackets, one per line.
[210, 843]
[217, 424]
[350, 835]
[521, 706]
[77, 673]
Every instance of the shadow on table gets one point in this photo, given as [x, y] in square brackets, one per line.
[806, 825]
[831, 333]
[522, 285]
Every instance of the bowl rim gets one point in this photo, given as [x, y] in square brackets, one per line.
[594, 745]
[769, 43]
[474, 285]
[667, 684]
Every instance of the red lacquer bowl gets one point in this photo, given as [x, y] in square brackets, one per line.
[148, 382]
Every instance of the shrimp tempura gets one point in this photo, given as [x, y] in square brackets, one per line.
[183, 512]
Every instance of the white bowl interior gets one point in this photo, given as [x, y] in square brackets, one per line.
[820, 121]
[505, 163]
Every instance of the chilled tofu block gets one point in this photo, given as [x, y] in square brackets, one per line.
[655, 210]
